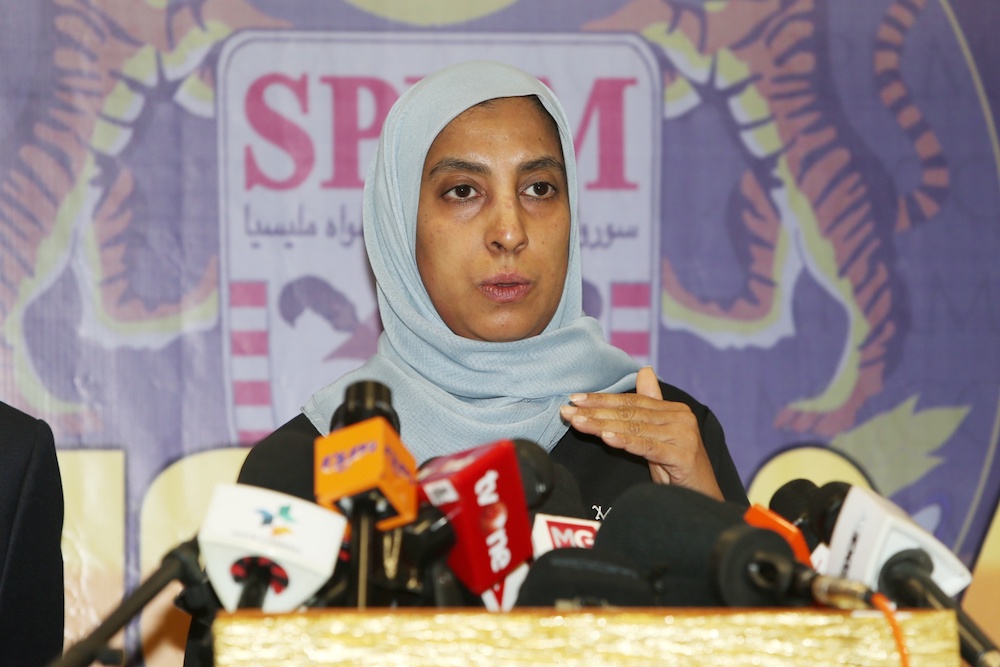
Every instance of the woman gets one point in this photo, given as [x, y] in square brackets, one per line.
[471, 229]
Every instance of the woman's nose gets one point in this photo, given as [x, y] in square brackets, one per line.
[507, 232]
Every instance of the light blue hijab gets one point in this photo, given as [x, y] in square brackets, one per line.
[454, 393]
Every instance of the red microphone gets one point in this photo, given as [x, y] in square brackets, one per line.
[480, 492]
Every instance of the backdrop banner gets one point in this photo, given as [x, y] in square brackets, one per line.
[788, 209]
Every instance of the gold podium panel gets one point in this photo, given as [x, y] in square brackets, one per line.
[586, 638]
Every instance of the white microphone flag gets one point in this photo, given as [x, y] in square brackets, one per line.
[871, 529]
[302, 538]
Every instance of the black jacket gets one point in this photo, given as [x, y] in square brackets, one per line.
[32, 604]
[603, 473]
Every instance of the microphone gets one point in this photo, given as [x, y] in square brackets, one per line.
[537, 472]
[267, 550]
[424, 546]
[363, 400]
[906, 578]
[864, 530]
[284, 462]
[363, 469]
[756, 567]
[762, 517]
[181, 563]
[698, 551]
[538, 482]
[438, 583]
[577, 577]
[668, 532]
[550, 532]
[481, 493]
[564, 499]
[875, 541]
[560, 522]
[362, 458]
[791, 501]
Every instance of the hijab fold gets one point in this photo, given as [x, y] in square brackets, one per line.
[454, 393]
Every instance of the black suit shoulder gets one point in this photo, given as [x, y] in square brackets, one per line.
[32, 608]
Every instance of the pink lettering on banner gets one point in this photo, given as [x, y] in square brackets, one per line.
[249, 343]
[635, 343]
[603, 115]
[347, 130]
[279, 131]
[630, 295]
[245, 294]
[250, 379]
[607, 102]
[252, 393]
[631, 319]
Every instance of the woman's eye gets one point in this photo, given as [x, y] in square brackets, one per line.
[540, 189]
[460, 192]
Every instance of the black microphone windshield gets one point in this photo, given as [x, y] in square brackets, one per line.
[669, 533]
[825, 508]
[792, 501]
[564, 499]
[583, 578]
[364, 400]
[535, 467]
[283, 462]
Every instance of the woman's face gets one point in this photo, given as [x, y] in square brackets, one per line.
[493, 221]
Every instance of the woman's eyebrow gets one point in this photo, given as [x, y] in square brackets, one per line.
[455, 164]
[546, 162]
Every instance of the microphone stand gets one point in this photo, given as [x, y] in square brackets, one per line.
[362, 520]
[179, 563]
[906, 578]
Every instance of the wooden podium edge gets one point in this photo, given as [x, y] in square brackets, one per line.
[695, 637]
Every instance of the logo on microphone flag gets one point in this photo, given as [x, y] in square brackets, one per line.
[559, 532]
[236, 529]
[284, 513]
[367, 457]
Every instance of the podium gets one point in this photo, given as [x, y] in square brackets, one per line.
[590, 637]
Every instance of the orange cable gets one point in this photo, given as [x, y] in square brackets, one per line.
[881, 602]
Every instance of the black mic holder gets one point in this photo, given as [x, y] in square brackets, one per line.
[906, 579]
[179, 563]
[256, 582]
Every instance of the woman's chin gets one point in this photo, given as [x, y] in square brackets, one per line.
[502, 332]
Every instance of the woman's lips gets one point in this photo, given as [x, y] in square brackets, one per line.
[506, 287]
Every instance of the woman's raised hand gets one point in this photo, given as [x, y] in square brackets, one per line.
[664, 433]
